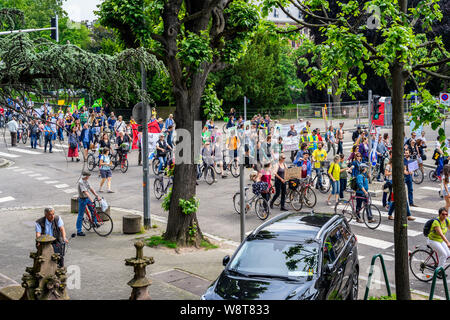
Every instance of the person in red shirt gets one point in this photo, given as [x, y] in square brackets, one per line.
[318, 134]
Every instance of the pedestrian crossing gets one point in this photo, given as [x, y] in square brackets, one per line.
[19, 151]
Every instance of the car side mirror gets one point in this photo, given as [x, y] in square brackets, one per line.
[225, 260]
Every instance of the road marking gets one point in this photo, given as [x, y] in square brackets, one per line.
[381, 244]
[431, 188]
[9, 155]
[34, 175]
[60, 186]
[11, 168]
[24, 151]
[418, 209]
[70, 190]
[27, 172]
[51, 182]
[42, 178]
[386, 228]
[19, 170]
[53, 149]
[6, 199]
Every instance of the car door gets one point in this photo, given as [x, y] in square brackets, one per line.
[346, 259]
[332, 251]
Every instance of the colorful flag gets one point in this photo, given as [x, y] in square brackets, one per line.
[72, 108]
[61, 102]
[97, 103]
[81, 103]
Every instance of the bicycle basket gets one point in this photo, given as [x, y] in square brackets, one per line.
[125, 146]
[259, 187]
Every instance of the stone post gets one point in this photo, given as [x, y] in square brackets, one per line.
[140, 282]
[45, 280]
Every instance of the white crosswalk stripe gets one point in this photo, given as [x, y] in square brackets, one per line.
[35, 175]
[24, 151]
[26, 172]
[70, 190]
[377, 243]
[42, 178]
[9, 155]
[53, 149]
[61, 186]
[12, 168]
[385, 228]
[417, 209]
[51, 182]
[19, 170]
[6, 199]
[431, 188]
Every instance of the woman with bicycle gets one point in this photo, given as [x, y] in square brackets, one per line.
[280, 183]
[105, 170]
[362, 193]
[436, 237]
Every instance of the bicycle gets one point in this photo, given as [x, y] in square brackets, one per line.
[262, 208]
[423, 262]
[22, 135]
[155, 162]
[120, 159]
[208, 172]
[326, 183]
[159, 189]
[104, 225]
[347, 208]
[433, 176]
[92, 160]
[306, 193]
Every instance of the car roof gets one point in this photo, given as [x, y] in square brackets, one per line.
[297, 226]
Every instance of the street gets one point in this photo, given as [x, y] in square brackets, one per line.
[42, 179]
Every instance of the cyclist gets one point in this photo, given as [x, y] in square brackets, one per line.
[84, 199]
[362, 192]
[161, 152]
[305, 164]
[318, 156]
[122, 146]
[436, 237]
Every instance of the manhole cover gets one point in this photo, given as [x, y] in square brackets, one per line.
[184, 280]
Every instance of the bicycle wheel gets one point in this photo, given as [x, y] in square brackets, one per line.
[375, 170]
[114, 161]
[235, 172]
[124, 165]
[158, 188]
[296, 200]
[155, 165]
[417, 176]
[309, 197]
[287, 198]
[86, 223]
[344, 208]
[326, 183]
[91, 162]
[432, 175]
[262, 208]
[210, 175]
[218, 169]
[104, 224]
[376, 216]
[237, 203]
[422, 265]
[24, 138]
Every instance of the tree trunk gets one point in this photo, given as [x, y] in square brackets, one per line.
[181, 228]
[400, 223]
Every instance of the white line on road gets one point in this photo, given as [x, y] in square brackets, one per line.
[431, 188]
[35, 175]
[386, 228]
[70, 190]
[51, 182]
[9, 155]
[6, 199]
[60, 186]
[24, 151]
[26, 172]
[418, 209]
[53, 149]
[42, 178]
[11, 168]
[374, 242]
[19, 170]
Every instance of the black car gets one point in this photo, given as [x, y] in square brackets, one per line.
[294, 256]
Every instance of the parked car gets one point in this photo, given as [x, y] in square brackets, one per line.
[294, 256]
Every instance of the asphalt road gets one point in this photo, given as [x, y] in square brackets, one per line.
[39, 179]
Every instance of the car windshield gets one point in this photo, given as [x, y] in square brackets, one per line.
[276, 258]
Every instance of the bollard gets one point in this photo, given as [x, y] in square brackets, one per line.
[388, 287]
[74, 204]
[131, 224]
[140, 282]
[45, 280]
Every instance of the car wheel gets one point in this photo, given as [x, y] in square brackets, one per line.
[353, 294]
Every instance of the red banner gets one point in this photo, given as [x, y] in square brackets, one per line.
[135, 136]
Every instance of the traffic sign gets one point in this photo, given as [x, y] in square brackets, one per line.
[445, 99]
[138, 112]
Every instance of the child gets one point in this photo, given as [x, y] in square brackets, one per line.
[334, 172]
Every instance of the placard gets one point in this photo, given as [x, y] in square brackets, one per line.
[293, 173]
[413, 166]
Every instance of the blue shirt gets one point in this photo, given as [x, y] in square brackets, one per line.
[169, 122]
[362, 182]
[48, 227]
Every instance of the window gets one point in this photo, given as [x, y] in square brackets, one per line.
[275, 13]
[334, 243]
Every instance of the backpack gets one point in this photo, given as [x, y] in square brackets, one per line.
[353, 184]
[427, 226]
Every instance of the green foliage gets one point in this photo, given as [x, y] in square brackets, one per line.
[212, 105]
[36, 13]
[208, 245]
[156, 241]
[194, 49]
[189, 206]
[393, 297]
[166, 200]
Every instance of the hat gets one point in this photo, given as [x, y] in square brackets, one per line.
[160, 119]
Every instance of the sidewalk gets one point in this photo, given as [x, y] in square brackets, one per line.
[101, 261]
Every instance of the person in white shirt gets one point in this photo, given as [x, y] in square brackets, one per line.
[120, 125]
[13, 127]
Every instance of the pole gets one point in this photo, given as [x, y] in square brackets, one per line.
[369, 113]
[242, 200]
[245, 108]
[297, 112]
[145, 162]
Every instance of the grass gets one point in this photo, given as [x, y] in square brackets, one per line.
[393, 297]
[208, 245]
[159, 241]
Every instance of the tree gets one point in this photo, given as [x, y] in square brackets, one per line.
[192, 38]
[403, 54]
[265, 74]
